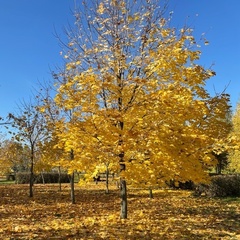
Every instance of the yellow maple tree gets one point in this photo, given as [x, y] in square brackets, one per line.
[137, 96]
[14, 157]
[52, 156]
[234, 155]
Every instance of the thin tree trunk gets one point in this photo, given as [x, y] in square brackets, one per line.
[107, 180]
[59, 179]
[122, 165]
[72, 180]
[31, 185]
[150, 193]
[42, 175]
[123, 189]
[72, 189]
[31, 176]
[219, 167]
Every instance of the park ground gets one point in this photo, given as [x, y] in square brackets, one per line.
[171, 214]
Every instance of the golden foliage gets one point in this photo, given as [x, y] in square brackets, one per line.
[135, 94]
[13, 155]
[235, 135]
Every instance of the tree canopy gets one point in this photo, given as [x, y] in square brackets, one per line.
[235, 153]
[136, 95]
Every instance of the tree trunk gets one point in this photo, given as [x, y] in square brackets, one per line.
[107, 180]
[59, 179]
[42, 175]
[122, 165]
[219, 167]
[150, 193]
[123, 189]
[72, 180]
[31, 185]
[72, 189]
[31, 176]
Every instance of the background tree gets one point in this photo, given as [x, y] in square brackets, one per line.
[13, 157]
[137, 93]
[234, 155]
[51, 148]
[30, 131]
[221, 127]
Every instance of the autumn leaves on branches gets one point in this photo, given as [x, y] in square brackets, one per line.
[136, 95]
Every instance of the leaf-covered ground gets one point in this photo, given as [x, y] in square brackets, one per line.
[169, 215]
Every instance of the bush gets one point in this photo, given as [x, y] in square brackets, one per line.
[220, 186]
[187, 185]
[10, 177]
[22, 177]
[46, 177]
[51, 177]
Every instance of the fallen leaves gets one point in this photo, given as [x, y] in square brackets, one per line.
[169, 215]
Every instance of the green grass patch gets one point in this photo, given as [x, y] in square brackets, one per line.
[231, 199]
[3, 181]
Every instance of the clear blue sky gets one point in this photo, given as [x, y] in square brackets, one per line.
[29, 49]
[220, 21]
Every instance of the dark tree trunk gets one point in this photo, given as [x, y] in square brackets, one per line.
[219, 167]
[107, 180]
[31, 175]
[31, 185]
[72, 189]
[72, 180]
[59, 179]
[123, 189]
[150, 193]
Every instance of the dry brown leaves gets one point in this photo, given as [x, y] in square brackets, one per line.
[169, 215]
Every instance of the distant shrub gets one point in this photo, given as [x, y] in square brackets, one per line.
[10, 177]
[51, 177]
[220, 186]
[187, 185]
[22, 177]
[46, 177]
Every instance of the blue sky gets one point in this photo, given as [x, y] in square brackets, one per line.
[29, 49]
[219, 20]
